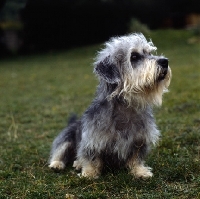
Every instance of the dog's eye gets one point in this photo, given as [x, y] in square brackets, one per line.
[135, 56]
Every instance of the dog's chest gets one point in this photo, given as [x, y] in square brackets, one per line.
[116, 129]
[128, 120]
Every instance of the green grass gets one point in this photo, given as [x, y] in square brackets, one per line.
[37, 94]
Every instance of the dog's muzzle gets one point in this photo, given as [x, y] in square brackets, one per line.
[163, 63]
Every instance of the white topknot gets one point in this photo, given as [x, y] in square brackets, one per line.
[117, 46]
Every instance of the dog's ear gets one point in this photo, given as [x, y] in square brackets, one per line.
[108, 71]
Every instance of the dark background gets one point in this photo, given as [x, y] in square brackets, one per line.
[60, 24]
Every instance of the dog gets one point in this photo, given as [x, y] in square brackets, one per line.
[118, 128]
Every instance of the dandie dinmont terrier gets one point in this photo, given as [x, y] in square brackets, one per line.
[118, 128]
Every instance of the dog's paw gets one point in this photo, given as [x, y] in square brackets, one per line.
[90, 172]
[77, 165]
[57, 165]
[142, 172]
[90, 175]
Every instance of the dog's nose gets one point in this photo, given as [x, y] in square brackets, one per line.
[163, 62]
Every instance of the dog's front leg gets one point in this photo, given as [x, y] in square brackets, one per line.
[138, 169]
[91, 168]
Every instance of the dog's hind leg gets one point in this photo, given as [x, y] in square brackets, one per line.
[64, 147]
[59, 156]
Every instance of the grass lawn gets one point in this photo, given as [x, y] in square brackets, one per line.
[37, 94]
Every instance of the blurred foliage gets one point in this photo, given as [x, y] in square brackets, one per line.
[195, 35]
[136, 26]
[11, 25]
[196, 30]
[10, 10]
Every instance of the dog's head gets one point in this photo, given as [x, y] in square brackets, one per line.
[139, 75]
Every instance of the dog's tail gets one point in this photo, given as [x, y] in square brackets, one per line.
[72, 119]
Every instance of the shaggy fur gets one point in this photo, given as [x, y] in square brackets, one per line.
[118, 128]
